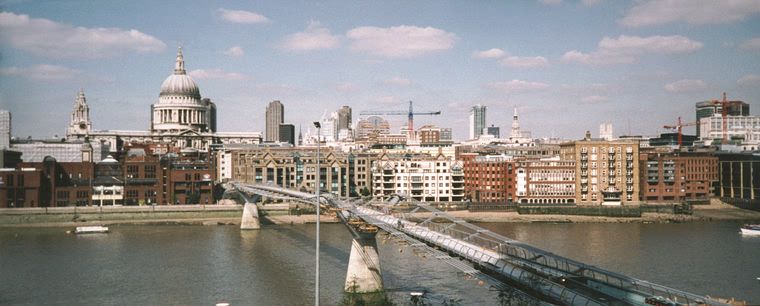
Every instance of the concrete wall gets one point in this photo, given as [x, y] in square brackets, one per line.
[606, 211]
[20, 216]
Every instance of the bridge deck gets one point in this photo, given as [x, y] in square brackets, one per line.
[559, 279]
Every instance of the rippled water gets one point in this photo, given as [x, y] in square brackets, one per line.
[275, 266]
[203, 265]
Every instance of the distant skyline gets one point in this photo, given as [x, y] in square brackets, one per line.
[567, 66]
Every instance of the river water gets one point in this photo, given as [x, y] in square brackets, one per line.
[203, 265]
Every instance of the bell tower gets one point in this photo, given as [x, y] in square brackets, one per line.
[80, 124]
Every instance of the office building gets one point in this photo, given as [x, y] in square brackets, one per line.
[739, 183]
[493, 130]
[477, 121]
[344, 118]
[287, 133]
[706, 109]
[5, 129]
[275, 116]
[546, 182]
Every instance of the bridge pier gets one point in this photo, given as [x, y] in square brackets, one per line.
[363, 275]
[250, 217]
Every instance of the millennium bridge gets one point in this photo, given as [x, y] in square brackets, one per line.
[504, 263]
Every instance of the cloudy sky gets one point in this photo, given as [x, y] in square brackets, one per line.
[566, 65]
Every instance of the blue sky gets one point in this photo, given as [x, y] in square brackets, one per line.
[566, 65]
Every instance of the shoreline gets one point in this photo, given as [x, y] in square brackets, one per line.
[715, 211]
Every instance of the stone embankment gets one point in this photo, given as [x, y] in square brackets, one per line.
[286, 214]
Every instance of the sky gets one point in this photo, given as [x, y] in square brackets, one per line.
[567, 66]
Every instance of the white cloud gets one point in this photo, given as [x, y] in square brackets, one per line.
[627, 49]
[240, 16]
[550, 2]
[216, 73]
[594, 99]
[41, 72]
[751, 44]
[490, 53]
[686, 86]
[517, 85]
[692, 11]
[315, 37]
[749, 80]
[235, 51]
[591, 2]
[524, 62]
[398, 81]
[400, 41]
[49, 38]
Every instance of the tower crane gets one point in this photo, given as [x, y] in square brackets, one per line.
[410, 135]
[679, 126]
[724, 113]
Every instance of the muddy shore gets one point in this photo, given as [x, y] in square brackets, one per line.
[716, 211]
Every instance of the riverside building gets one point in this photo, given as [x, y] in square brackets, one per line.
[604, 169]
[422, 177]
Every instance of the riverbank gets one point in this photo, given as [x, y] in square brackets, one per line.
[271, 214]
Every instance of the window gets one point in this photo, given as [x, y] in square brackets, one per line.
[187, 176]
[150, 171]
[132, 171]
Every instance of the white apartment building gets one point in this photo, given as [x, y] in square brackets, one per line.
[424, 178]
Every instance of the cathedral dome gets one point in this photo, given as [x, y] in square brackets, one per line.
[180, 85]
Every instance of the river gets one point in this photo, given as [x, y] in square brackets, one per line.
[203, 265]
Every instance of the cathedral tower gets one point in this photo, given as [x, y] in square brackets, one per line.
[80, 124]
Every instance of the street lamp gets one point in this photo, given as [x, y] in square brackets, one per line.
[316, 287]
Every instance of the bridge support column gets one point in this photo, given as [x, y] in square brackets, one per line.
[363, 275]
[250, 217]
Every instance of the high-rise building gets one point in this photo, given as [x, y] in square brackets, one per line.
[287, 133]
[5, 130]
[274, 117]
[707, 109]
[477, 121]
[344, 118]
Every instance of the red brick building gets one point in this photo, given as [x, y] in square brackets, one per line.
[489, 178]
[672, 177]
[137, 177]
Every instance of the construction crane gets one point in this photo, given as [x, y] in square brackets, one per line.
[724, 113]
[679, 126]
[410, 134]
